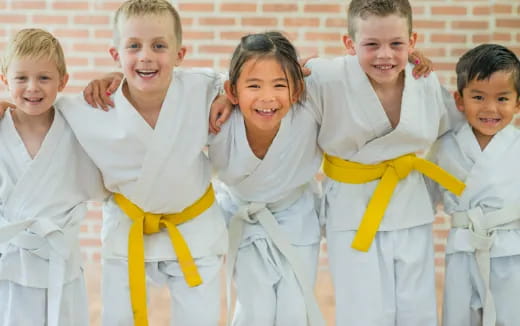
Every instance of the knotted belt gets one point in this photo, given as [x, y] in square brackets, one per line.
[390, 172]
[262, 213]
[44, 238]
[148, 223]
[482, 227]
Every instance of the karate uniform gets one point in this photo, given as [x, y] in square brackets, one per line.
[392, 283]
[161, 170]
[42, 202]
[272, 202]
[492, 184]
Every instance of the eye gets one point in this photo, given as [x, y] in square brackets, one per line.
[160, 46]
[372, 44]
[133, 46]
[20, 78]
[478, 97]
[45, 78]
[503, 99]
[280, 85]
[253, 86]
[399, 43]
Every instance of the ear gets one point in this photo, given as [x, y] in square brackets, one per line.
[349, 44]
[180, 56]
[3, 78]
[412, 42]
[459, 101]
[230, 92]
[517, 109]
[63, 82]
[115, 55]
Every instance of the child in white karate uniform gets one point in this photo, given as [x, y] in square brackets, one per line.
[46, 180]
[483, 250]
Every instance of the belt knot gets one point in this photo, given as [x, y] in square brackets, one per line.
[402, 165]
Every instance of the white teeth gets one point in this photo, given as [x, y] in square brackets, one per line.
[384, 67]
[266, 110]
[146, 72]
[34, 100]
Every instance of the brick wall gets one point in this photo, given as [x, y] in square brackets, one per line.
[446, 29]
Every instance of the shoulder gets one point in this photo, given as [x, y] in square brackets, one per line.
[325, 70]
[196, 74]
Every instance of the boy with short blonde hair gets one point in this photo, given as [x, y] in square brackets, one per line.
[162, 222]
[374, 116]
[45, 181]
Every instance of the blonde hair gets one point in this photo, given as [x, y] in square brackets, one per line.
[36, 44]
[139, 8]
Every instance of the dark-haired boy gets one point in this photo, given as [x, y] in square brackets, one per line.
[483, 251]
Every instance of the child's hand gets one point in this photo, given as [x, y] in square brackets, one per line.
[98, 91]
[219, 113]
[423, 65]
[306, 71]
[4, 106]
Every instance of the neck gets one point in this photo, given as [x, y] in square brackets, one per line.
[34, 122]
[260, 140]
[144, 102]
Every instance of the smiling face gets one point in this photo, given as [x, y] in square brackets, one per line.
[489, 104]
[34, 84]
[264, 93]
[382, 45]
[147, 52]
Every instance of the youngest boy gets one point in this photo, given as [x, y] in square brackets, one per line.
[45, 181]
[483, 251]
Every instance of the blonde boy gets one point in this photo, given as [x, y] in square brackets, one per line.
[374, 117]
[45, 181]
[150, 152]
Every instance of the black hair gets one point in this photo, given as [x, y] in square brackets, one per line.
[268, 45]
[484, 60]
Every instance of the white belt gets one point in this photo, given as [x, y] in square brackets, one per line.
[45, 239]
[482, 227]
[255, 212]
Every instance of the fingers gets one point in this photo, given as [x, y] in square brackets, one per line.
[306, 71]
[4, 106]
[214, 127]
[97, 89]
[87, 95]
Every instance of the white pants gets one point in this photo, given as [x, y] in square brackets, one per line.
[464, 290]
[27, 306]
[393, 284]
[268, 293]
[191, 306]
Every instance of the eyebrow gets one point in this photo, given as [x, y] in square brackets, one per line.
[273, 80]
[482, 92]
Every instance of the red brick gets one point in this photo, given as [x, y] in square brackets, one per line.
[444, 66]
[449, 10]
[473, 25]
[434, 52]
[482, 10]
[13, 18]
[335, 50]
[233, 36]
[74, 90]
[278, 7]
[103, 33]
[197, 63]
[28, 4]
[198, 35]
[50, 19]
[502, 9]
[238, 7]
[502, 37]
[94, 215]
[198, 7]
[438, 24]
[76, 61]
[104, 5]
[70, 5]
[418, 10]
[317, 36]
[224, 64]
[217, 21]
[186, 21]
[448, 38]
[90, 242]
[92, 20]
[83, 228]
[301, 22]
[260, 21]
[481, 38]
[216, 49]
[317, 8]
[105, 62]
[90, 47]
[336, 22]
[508, 23]
[72, 33]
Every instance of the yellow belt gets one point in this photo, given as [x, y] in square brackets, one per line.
[390, 172]
[148, 223]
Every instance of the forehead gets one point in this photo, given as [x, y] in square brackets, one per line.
[268, 68]
[499, 80]
[147, 26]
[381, 26]
[29, 64]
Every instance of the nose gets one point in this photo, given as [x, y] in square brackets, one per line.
[267, 96]
[384, 52]
[32, 84]
[145, 54]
